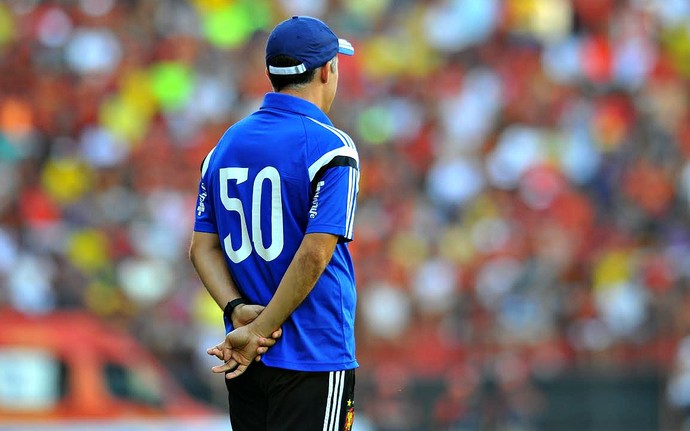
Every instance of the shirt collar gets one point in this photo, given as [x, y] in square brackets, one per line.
[287, 102]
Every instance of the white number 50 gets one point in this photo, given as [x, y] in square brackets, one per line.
[240, 175]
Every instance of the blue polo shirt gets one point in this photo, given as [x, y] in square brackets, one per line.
[278, 174]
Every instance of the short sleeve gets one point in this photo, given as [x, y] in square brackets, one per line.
[205, 220]
[334, 202]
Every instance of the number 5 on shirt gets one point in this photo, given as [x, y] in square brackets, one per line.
[240, 175]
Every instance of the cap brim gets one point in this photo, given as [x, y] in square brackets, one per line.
[345, 47]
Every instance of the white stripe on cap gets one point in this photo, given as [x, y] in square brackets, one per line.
[345, 47]
[289, 70]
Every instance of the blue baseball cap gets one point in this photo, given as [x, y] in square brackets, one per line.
[306, 39]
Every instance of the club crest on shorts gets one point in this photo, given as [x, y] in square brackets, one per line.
[350, 417]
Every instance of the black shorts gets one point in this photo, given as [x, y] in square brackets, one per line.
[274, 399]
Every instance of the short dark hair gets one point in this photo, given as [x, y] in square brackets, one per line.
[280, 82]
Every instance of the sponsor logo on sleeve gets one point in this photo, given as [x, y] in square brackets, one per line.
[202, 197]
[315, 202]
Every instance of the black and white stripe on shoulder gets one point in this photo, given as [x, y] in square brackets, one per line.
[342, 156]
[207, 159]
[342, 135]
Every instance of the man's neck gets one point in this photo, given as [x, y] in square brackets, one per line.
[308, 93]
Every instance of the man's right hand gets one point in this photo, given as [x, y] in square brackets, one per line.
[243, 315]
[264, 344]
[239, 349]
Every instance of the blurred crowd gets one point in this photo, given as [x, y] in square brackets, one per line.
[524, 197]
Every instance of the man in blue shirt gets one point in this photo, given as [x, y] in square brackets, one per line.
[275, 213]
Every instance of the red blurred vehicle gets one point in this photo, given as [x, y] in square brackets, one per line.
[70, 366]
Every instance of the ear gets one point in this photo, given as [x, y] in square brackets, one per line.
[266, 73]
[324, 73]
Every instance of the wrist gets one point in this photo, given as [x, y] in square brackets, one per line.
[262, 327]
[231, 306]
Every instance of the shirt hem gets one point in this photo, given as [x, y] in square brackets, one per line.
[310, 367]
[198, 227]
